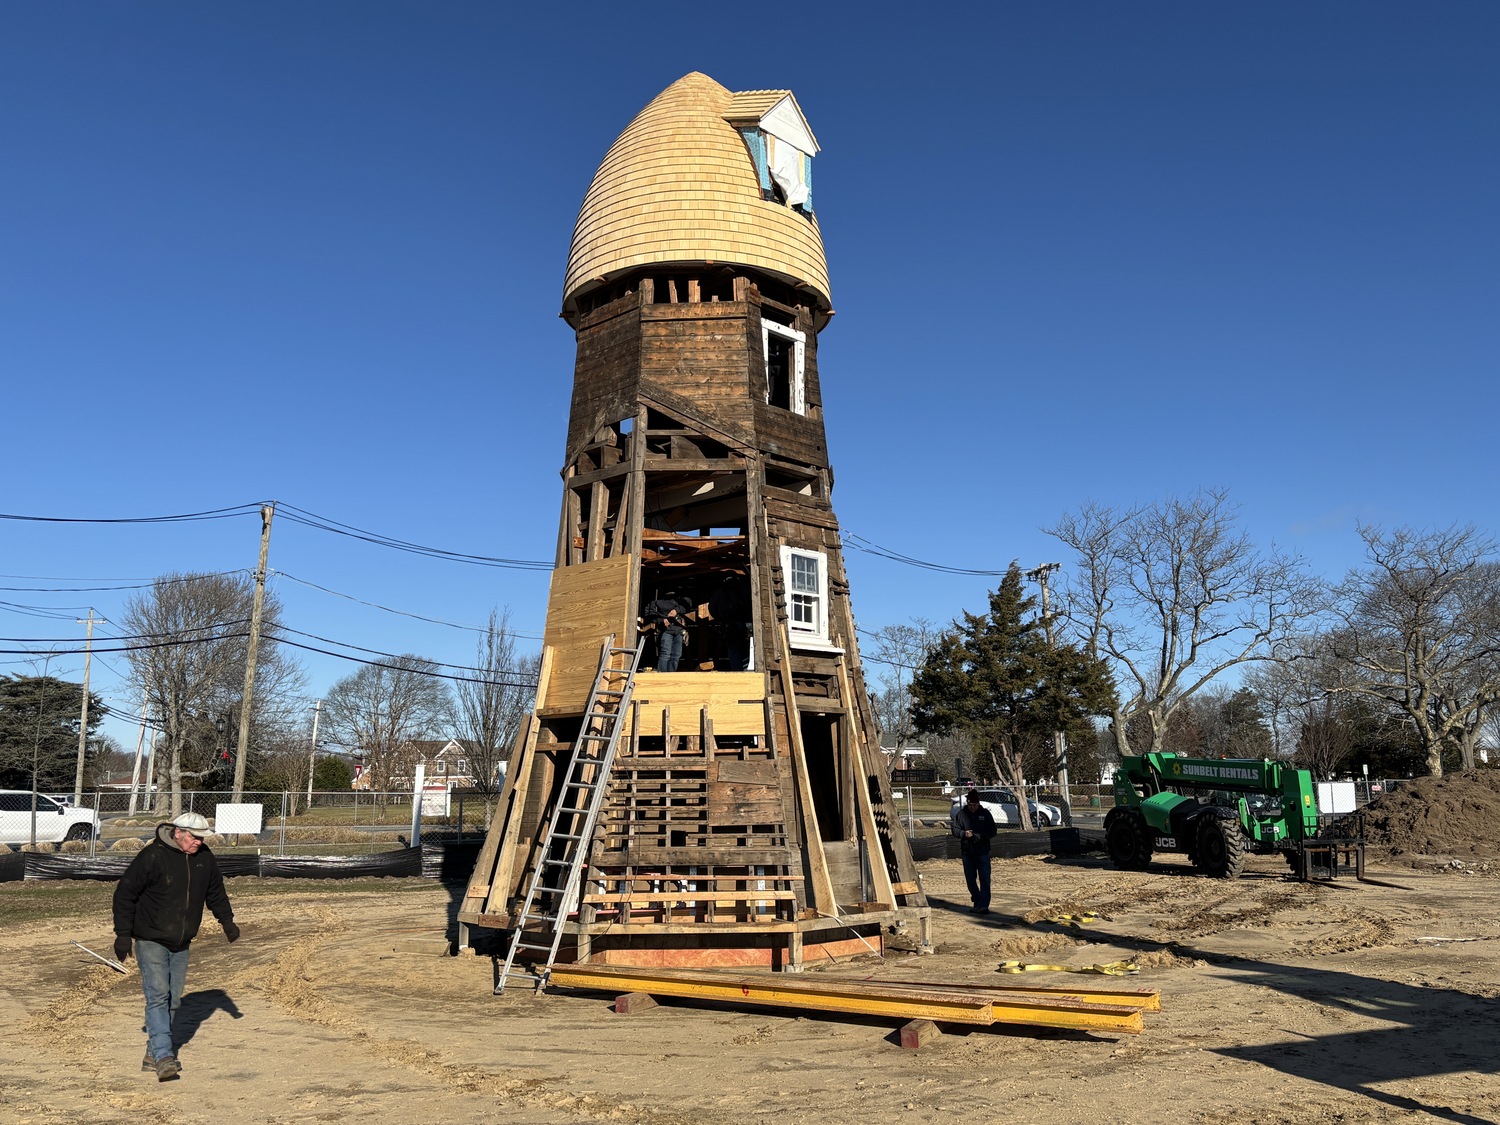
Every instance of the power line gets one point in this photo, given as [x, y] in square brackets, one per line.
[860, 543]
[212, 514]
[47, 612]
[401, 668]
[279, 629]
[398, 612]
[323, 523]
[165, 580]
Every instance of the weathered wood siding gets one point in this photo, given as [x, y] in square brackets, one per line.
[606, 377]
[700, 353]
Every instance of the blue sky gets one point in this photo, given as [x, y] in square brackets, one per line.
[313, 252]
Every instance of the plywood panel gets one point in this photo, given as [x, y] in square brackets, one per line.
[588, 602]
[735, 701]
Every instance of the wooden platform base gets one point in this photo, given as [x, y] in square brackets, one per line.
[773, 951]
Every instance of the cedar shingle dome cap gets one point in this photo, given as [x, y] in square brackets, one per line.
[679, 187]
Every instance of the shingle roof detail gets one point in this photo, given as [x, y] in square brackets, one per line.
[751, 105]
[678, 186]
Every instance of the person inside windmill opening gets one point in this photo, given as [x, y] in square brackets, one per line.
[668, 616]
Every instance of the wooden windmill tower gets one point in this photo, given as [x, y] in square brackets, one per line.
[747, 818]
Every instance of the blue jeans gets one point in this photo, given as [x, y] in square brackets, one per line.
[977, 875]
[163, 974]
[668, 652]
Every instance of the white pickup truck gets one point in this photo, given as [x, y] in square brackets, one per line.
[55, 821]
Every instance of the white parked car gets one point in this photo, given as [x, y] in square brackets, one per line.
[54, 820]
[1002, 806]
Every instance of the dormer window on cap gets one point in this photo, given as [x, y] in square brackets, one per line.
[780, 143]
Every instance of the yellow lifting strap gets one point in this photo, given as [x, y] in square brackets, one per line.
[1112, 969]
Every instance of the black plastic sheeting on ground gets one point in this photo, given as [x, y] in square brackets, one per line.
[1009, 845]
[12, 866]
[450, 862]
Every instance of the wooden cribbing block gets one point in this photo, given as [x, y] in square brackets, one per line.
[917, 1032]
[629, 1003]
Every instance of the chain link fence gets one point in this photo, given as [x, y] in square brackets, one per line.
[341, 822]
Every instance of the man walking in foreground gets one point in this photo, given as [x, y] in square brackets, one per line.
[975, 828]
[159, 902]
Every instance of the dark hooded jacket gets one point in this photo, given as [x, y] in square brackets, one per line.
[162, 893]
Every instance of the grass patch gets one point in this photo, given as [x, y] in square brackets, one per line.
[22, 902]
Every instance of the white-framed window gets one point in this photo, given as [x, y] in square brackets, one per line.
[463, 766]
[806, 577]
[786, 362]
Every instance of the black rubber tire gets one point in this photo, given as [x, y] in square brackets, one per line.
[1128, 840]
[80, 832]
[1219, 847]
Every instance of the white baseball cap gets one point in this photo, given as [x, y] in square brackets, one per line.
[196, 823]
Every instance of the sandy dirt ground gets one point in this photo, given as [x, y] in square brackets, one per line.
[1282, 1002]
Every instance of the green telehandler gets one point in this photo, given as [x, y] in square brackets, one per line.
[1219, 810]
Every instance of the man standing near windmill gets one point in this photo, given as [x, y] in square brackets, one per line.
[159, 903]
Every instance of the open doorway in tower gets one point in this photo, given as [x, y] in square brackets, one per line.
[695, 602]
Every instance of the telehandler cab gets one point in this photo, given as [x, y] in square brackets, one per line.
[1218, 810]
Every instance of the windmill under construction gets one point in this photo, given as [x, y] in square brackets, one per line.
[736, 809]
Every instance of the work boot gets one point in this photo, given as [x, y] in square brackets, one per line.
[148, 1063]
[167, 1068]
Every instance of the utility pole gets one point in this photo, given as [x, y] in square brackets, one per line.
[140, 741]
[36, 743]
[312, 754]
[267, 511]
[83, 720]
[1040, 575]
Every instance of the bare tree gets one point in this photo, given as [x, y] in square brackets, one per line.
[1174, 594]
[383, 710]
[188, 637]
[1489, 734]
[899, 650]
[1419, 630]
[492, 706]
[1326, 737]
[282, 763]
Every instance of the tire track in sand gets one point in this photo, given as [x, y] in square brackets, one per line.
[288, 984]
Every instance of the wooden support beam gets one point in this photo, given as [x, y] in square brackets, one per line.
[477, 895]
[505, 870]
[620, 528]
[658, 464]
[822, 882]
[598, 504]
[638, 899]
[881, 886]
[637, 489]
[573, 507]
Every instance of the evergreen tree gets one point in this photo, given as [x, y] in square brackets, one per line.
[995, 677]
[40, 714]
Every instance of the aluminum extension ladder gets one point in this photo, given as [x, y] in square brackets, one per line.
[552, 892]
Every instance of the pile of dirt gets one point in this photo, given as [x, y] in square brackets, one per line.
[1457, 815]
